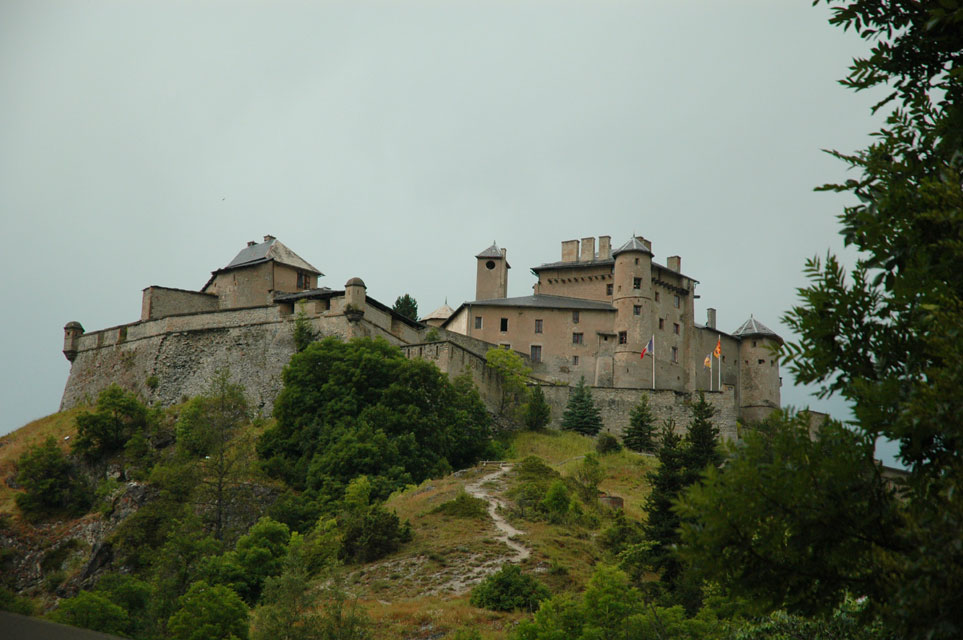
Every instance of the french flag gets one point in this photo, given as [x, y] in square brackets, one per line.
[649, 347]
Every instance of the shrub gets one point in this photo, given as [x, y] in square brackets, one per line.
[640, 434]
[119, 414]
[209, 613]
[370, 533]
[51, 482]
[607, 443]
[91, 611]
[509, 590]
[463, 506]
[556, 502]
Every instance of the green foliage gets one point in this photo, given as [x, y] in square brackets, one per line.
[513, 375]
[556, 502]
[432, 335]
[406, 306]
[622, 534]
[94, 611]
[260, 554]
[177, 564]
[701, 441]
[834, 543]
[607, 443]
[362, 408]
[209, 613]
[118, 416]
[667, 482]
[888, 336]
[611, 608]
[509, 590]
[52, 484]
[846, 623]
[581, 414]
[463, 506]
[640, 434]
[132, 595]
[303, 333]
[589, 474]
[10, 601]
[537, 413]
[368, 531]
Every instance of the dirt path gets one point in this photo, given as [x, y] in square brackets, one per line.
[508, 532]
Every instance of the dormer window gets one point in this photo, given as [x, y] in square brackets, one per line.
[304, 280]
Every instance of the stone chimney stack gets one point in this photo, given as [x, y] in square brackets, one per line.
[251, 243]
[646, 243]
[711, 318]
[588, 250]
[269, 238]
[605, 247]
[570, 251]
[674, 263]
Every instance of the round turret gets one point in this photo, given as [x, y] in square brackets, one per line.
[758, 369]
[72, 332]
[354, 298]
[632, 299]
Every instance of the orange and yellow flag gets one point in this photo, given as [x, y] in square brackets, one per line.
[718, 352]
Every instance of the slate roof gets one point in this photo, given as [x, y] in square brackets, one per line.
[270, 249]
[493, 252]
[572, 265]
[753, 327]
[542, 301]
[632, 245]
[441, 313]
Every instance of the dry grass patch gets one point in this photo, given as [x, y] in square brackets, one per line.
[428, 617]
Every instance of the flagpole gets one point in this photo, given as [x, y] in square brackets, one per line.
[710, 373]
[719, 385]
[653, 362]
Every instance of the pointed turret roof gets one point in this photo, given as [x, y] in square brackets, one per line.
[493, 252]
[441, 313]
[632, 245]
[753, 327]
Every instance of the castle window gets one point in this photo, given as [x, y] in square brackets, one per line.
[536, 353]
[538, 325]
[675, 354]
[504, 325]
[656, 296]
[608, 289]
[636, 283]
[505, 345]
[637, 310]
[478, 322]
[636, 261]
[753, 343]
[577, 338]
[675, 328]
[490, 265]
[575, 317]
[304, 280]
[661, 324]
[772, 363]
[623, 337]
[676, 302]
[762, 361]
[575, 360]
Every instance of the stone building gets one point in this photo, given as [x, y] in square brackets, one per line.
[592, 313]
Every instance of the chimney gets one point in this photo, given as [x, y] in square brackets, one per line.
[674, 263]
[605, 247]
[711, 318]
[251, 243]
[269, 238]
[588, 250]
[570, 251]
[646, 243]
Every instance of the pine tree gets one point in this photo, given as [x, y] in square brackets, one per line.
[667, 482]
[581, 414]
[702, 441]
[537, 411]
[639, 436]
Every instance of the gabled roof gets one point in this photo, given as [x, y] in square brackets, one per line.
[270, 249]
[632, 245]
[753, 327]
[493, 252]
[572, 265]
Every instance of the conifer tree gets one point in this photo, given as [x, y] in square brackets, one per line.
[702, 441]
[640, 434]
[537, 411]
[581, 414]
[667, 482]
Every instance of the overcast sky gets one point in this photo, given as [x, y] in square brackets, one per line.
[145, 142]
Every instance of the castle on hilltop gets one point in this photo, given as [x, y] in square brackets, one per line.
[592, 315]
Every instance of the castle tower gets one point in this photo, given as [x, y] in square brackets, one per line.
[492, 274]
[759, 379]
[72, 332]
[634, 310]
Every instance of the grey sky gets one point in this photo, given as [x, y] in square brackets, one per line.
[145, 143]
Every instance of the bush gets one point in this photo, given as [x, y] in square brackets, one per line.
[370, 533]
[557, 502]
[209, 613]
[463, 506]
[91, 611]
[607, 443]
[53, 485]
[509, 590]
[119, 415]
